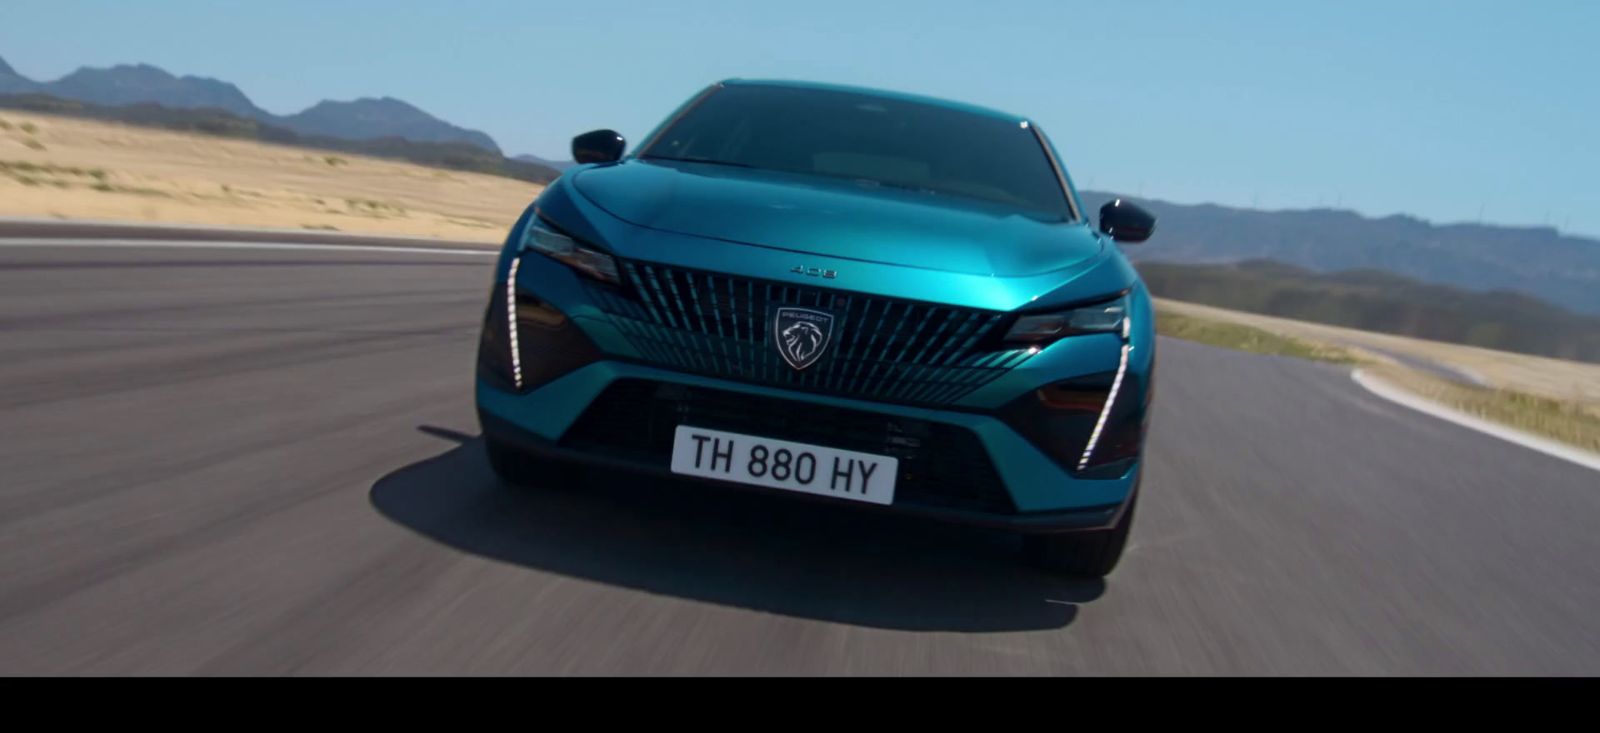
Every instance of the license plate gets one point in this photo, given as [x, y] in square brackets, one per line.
[780, 464]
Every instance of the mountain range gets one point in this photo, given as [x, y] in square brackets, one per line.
[1372, 300]
[559, 165]
[1536, 261]
[1539, 262]
[361, 119]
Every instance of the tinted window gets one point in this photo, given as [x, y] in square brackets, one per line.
[903, 144]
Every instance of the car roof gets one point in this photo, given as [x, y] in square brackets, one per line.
[884, 93]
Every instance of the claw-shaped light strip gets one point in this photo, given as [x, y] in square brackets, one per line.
[1105, 412]
[511, 322]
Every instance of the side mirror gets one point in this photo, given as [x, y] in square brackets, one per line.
[1125, 222]
[600, 146]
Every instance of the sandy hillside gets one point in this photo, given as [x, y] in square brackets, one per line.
[78, 169]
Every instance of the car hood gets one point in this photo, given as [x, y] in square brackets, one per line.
[834, 218]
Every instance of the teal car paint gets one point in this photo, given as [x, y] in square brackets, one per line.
[878, 300]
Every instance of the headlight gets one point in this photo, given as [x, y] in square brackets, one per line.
[1108, 317]
[544, 239]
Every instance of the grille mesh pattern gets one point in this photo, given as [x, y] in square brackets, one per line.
[880, 348]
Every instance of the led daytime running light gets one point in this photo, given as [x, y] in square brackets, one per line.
[511, 322]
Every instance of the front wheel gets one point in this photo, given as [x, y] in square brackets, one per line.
[1092, 554]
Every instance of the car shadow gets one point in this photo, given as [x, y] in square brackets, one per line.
[723, 546]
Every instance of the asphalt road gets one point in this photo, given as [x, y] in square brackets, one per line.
[265, 462]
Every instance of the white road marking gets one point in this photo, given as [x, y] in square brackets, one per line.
[201, 244]
[1511, 435]
[262, 232]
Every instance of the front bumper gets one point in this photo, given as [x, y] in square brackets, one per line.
[1039, 495]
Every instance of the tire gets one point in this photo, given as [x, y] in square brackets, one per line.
[1092, 554]
[518, 469]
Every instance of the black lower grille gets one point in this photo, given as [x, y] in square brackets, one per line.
[940, 465]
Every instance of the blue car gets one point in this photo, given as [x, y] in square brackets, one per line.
[878, 300]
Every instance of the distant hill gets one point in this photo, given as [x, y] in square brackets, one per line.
[380, 118]
[122, 85]
[559, 165]
[13, 83]
[453, 155]
[1536, 261]
[361, 119]
[1384, 302]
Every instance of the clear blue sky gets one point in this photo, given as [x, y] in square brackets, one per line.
[1434, 108]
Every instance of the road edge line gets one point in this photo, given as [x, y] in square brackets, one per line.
[203, 244]
[265, 233]
[1557, 449]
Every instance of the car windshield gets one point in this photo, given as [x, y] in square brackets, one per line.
[888, 142]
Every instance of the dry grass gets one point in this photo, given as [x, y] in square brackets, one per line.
[1566, 381]
[1547, 397]
[80, 169]
[1247, 338]
[1570, 422]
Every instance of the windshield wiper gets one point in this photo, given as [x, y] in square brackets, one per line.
[707, 161]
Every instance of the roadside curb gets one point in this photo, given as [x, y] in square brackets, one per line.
[36, 228]
[241, 245]
[1544, 445]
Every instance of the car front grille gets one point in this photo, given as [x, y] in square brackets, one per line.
[941, 465]
[881, 348]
